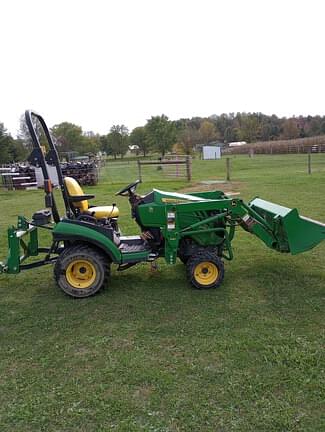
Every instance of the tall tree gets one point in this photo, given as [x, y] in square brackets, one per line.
[5, 141]
[188, 138]
[69, 137]
[249, 128]
[208, 132]
[105, 144]
[138, 137]
[91, 142]
[322, 127]
[314, 126]
[231, 134]
[222, 123]
[265, 132]
[17, 151]
[24, 135]
[161, 133]
[290, 129]
[118, 140]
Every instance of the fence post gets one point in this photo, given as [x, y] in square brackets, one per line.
[228, 168]
[309, 161]
[139, 170]
[188, 168]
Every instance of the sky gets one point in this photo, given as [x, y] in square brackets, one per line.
[101, 62]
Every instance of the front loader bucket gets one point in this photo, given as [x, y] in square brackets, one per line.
[293, 233]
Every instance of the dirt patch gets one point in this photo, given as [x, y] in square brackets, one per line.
[142, 393]
[226, 187]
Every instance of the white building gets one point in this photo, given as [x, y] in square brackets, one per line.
[211, 152]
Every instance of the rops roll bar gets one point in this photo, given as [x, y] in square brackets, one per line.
[37, 158]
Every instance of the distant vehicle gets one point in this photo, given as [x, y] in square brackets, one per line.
[237, 143]
[134, 148]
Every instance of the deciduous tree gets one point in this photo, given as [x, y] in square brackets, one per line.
[5, 141]
[161, 133]
[188, 138]
[249, 128]
[24, 135]
[208, 132]
[68, 137]
[290, 129]
[118, 140]
[139, 138]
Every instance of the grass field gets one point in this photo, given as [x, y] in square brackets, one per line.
[150, 353]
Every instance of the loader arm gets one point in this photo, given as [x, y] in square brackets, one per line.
[281, 228]
[209, 219]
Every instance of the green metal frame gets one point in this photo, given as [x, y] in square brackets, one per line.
[207, 218]
[22, 244]
[70, 232]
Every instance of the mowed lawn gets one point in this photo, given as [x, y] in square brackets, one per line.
[150, 353]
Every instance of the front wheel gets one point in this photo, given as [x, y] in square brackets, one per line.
[205, 270]
[81, 270]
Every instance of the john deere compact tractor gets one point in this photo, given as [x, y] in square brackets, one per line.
[198, 228]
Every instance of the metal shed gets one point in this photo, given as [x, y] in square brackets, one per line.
[211, 152]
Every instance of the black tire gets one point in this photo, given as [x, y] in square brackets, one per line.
[81, 270]
[205, 270]
[183, 258]
[188, 248]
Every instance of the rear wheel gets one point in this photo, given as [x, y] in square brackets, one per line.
[81, 271]
[205, 270]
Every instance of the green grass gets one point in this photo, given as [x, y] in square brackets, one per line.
[150, 353]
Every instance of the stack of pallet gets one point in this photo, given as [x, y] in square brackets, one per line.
[86, 173]
[18, 177]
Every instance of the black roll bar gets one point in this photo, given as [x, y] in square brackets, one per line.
[38, 158]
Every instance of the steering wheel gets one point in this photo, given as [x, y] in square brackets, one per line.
[127, 190]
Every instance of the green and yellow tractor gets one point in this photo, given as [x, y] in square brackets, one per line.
[198, 228]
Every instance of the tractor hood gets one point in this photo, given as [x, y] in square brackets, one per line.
[175, 197]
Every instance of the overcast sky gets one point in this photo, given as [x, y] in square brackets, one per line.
[98, 63]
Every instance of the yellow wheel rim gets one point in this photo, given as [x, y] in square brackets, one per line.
[206, 273]
[81, 274]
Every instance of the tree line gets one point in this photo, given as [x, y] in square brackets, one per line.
[162, 135]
